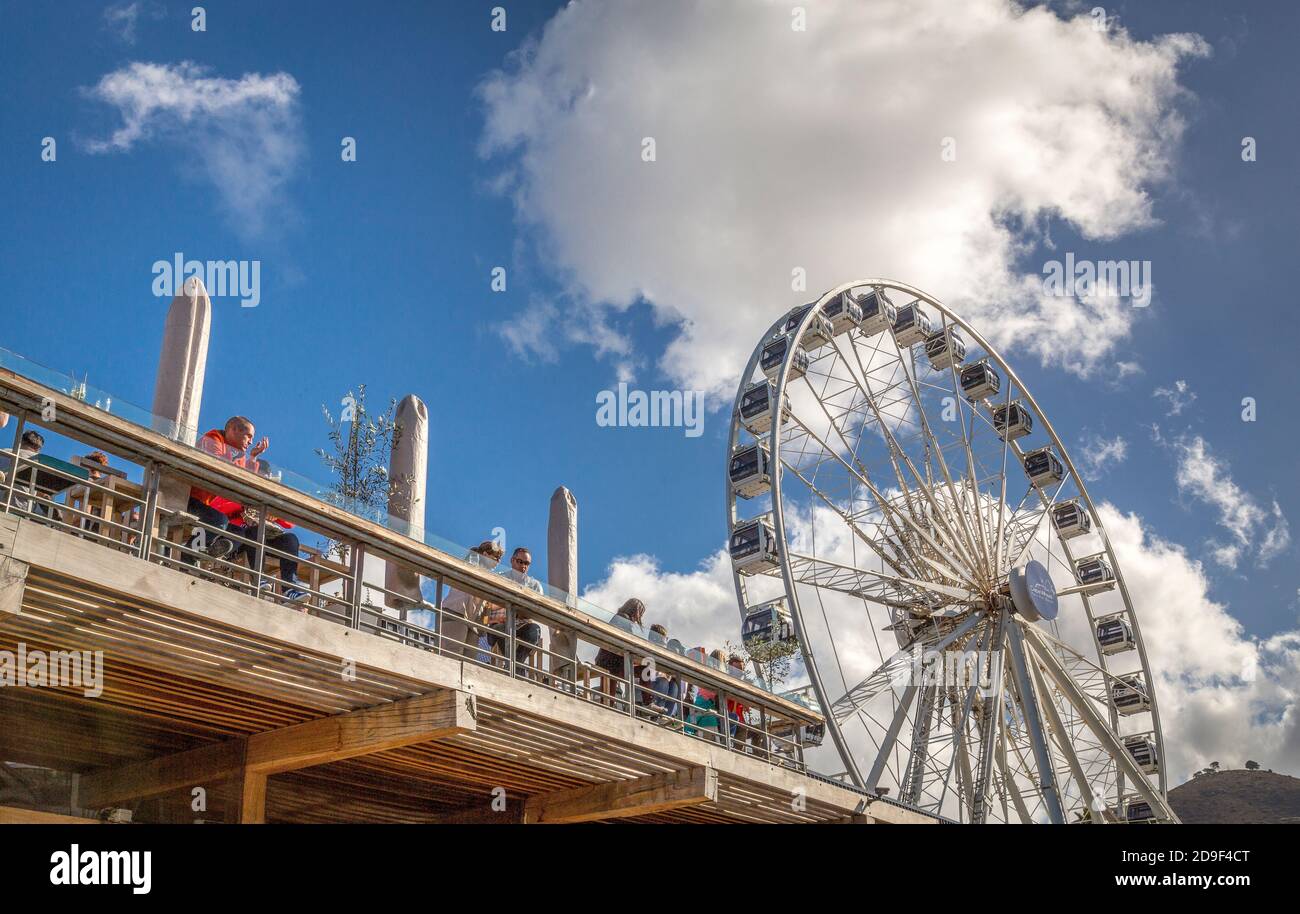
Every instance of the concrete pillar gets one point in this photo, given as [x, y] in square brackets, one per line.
[562, 569]
[408, 469]
[178, 388]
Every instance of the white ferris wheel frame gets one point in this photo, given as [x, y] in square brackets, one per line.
[1036, 641]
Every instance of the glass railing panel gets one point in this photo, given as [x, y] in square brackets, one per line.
[321, 491]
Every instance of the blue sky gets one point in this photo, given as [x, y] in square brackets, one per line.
[378, 271]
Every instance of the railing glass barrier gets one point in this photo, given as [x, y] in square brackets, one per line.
[299, 482]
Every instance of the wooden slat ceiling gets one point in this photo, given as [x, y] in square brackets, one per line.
[172, 682]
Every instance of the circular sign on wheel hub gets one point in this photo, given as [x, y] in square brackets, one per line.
[1033, 592]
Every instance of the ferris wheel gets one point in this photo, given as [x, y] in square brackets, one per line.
[900, 506]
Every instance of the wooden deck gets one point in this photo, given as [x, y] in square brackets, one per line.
[282, 717]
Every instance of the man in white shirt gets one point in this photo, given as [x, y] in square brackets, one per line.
[528, 634]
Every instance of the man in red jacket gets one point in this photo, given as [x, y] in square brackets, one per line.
[234, 442]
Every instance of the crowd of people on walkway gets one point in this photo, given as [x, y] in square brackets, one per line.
[476, 628]
[662, 694]
[467, 625]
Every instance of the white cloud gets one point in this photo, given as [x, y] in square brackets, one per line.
[244, 132]
[698, 608]
[1225, 554]
[1223, 695]
[1206, 478]
[821, 149]
[120, 18]
[1179, 397]
[1100, 453]
[1277, 539]
[528, 333]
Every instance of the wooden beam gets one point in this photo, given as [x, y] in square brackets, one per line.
[316, 742]
[622, 799]
[151, 777]
[252, 798]
[388, 726]
[12, 815]
[513, 814]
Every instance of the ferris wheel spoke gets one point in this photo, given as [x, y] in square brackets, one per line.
[1007, 444]
[1056, 673]
[878, 545]
[897, 520]
[974, 488]
[908, 493]
[1046, 505]
[895, 516]
[989, 649]
[896, 451]
[896, 667]
[862, 582]
[888, 744]
[966, 540]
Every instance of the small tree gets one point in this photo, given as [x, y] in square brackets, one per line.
[1214, 766]
[1252, 766]
[772, 658]
[362, 444]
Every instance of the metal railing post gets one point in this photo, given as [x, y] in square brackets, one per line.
[355, 581]
[260, 557]
[510, 639]
[437, 615]
[147, 515]
[13, 467]
[629, 671]
[724, 716]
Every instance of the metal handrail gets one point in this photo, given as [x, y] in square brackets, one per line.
[145, 447]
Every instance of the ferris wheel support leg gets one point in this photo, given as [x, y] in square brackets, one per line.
[1009, 782]
[920, 747]
[989, 723]
[961, 752]
[1063, 743]
[961, 719]
[1034, 720]
[1052, 667]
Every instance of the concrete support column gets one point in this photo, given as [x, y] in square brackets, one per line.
[408, 469]
[562, 571]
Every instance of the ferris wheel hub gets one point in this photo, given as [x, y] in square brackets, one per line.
[1033, 592]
